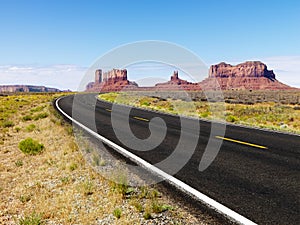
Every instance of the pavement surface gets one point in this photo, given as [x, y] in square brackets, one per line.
[256, 172]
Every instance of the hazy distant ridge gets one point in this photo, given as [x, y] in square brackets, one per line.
[27, 88]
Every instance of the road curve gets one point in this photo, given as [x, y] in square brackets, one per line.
[256, 172]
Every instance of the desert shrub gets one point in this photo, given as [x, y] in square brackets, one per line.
[109, 96]
[144, 192]
[144, 102]
[96, 160]
[153, 194]
[27, 118]
[73, 166]
[65, 180]
[7, 124]
[30, 128]
[30, 146]
[33, 219]
[19, 163]
[69, 130]
[158, 208]
[40, 116]
[231, 118]
[171, 108]
[204, 114]
[38, 108]
[88, 187]
[121, 185]
[102, 162]
[25, 198]
[117, 213]
[17, 129]
[147, 215]
[137, 204]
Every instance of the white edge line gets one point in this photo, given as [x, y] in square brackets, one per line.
[230, 214]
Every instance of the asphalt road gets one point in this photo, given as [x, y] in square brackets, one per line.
[256, 173]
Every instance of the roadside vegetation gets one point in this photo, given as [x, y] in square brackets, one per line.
[30, 146]
[249, 111]
[48, 177]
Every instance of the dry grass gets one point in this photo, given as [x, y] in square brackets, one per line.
[57, 186]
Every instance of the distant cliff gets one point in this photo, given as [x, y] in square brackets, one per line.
[247, 69]
[251, 75]
[27, 88]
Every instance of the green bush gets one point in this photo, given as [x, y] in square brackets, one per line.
[147, 215]
[30, 146]
[158, 208]
[40, 116]
[102, 162]
[88, 187]
[137, 204]
[121, 185]
[7, 124]
[231, 118]
[17, 129]
[30, 128]
[25, 198]
[204, 114]
[73, 166]
[65, 180]
[33, 219]
[19, 163]
[96, 160]
[145, 103]
[117, 213]
[27, 118]
[38, 108]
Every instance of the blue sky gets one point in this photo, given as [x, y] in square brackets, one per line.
[45, 35]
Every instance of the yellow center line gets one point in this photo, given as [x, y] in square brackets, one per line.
[241, 142]
[140, 118]
[109, 110]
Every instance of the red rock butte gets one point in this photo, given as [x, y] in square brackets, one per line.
[252, 75]
[113, 80]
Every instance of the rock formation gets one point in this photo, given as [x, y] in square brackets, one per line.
[175, 83]
[252, 75]
[26, 88]
[115, 76]
[247, 69]
[113, 80]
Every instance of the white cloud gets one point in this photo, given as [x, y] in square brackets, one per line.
[286, 68]
[62, 76]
